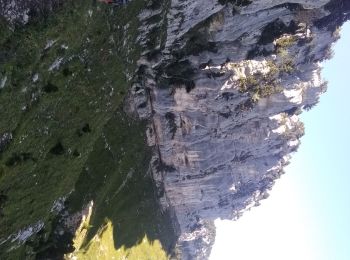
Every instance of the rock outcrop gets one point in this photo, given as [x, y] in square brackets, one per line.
[20, 11]
[224, 89]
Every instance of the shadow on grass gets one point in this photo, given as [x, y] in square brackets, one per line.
[116, 179]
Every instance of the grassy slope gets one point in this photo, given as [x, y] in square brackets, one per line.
[74, 111]
[102, 248]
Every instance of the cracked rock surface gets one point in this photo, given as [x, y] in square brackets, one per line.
[224, 94]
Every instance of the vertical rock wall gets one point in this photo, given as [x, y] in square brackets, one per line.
[224, 89]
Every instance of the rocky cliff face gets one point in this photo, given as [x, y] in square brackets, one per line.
[219, 83]
[224, 93]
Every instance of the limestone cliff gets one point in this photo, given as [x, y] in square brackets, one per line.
[215, 87]
[224, 89]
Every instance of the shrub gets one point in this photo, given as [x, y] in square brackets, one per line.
[57, 149]
[259, 85]
[49, 88]
[285, 42]
[287, 66]
[247, 83]
[273, 67]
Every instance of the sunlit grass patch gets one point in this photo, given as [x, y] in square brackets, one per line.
[102, 247]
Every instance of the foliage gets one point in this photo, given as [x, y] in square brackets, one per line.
[285, 42]
[259, 85]
[287, 66]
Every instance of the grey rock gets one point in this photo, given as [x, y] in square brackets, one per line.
[5, 140]
[220, 142]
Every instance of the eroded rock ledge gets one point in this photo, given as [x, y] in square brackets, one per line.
[223, 88]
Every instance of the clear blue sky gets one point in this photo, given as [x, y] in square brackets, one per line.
[325, 155]
[307, 216]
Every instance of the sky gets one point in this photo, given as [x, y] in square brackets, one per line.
[307, 216]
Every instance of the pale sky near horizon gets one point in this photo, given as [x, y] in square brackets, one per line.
[307, 216]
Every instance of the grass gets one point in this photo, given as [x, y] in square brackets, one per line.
[134, 209]
[100, 247]
[53, 152]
